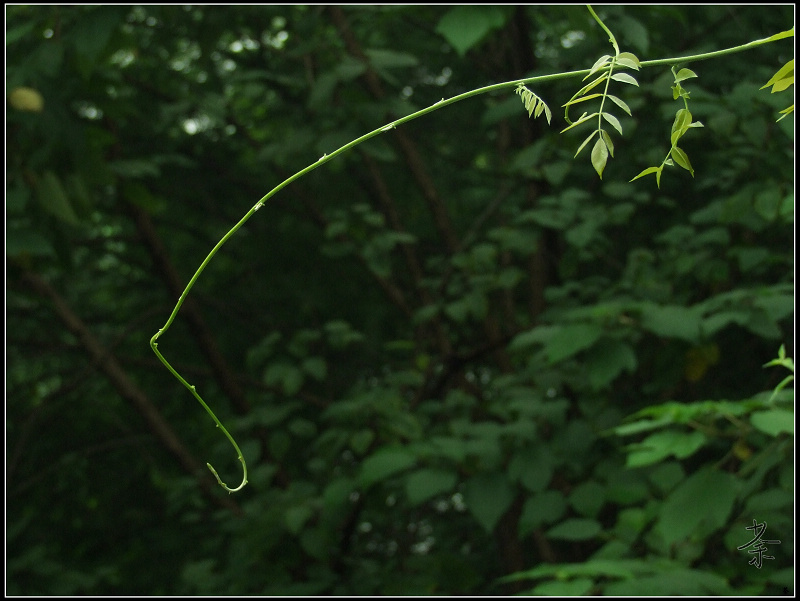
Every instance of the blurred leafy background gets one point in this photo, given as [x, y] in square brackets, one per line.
[456, 361]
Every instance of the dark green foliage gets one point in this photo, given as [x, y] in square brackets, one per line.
[455, 360]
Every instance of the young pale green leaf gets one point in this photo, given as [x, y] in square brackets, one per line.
[781, 81]
[581, 99]
[591, 85]
[681, 159]
[620, 103]
[539, 110]
[599, 156]
[648, 171]
[625, 78]
[613, 121]
[784, 73]
[601, 62]
[583, 119]
[789, 33]
[585, 142]
[627, 59]
[782, 84]
[684, 74]
[548, 115]
[533, 104]
[607, 140]
[683, 119]
[679, 92]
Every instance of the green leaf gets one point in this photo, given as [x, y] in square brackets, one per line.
[575, 529]
[390, 59]
[613, 121]
[672, 321]
[784, 34]
[134, 168]
[53, 199]
[532, 467]
[539, 335]
[783, 84]
[543, 107]
[302, 428]
[533, 104]
[608, 359]
[773, 422]
[488, 497]
[591, 85]
[608, 141]
[315, 367]
[384, 463]
[625, 78]
[425, 484]
[285, 375]
[620, 103]
[582, 99]
[361, 440]
[19, 32]
[24, 241]
[92, 35]
[626, 59]
[648, 171]
[542, 508]
[684, 74]
[599, 156]
[465, 26]
[780, 75]
[644, 425]
[568, 588]
[296, 517]
[661, 445]
[674, 581]
[585, 142]
[570, 340]
[583, 119]
[699, 505]
[599, 64]
[681, 159]
[683, 119]
[588, 498]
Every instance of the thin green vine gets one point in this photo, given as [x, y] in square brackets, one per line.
[782, 361]
[683, 122]
[535, 106]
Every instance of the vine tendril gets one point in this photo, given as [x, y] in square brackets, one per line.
[193, 390]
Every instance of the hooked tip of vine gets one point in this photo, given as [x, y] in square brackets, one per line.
[225, 486]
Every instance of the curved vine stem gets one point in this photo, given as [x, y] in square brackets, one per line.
[327, 157]
[611, 37]
[193, 390]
